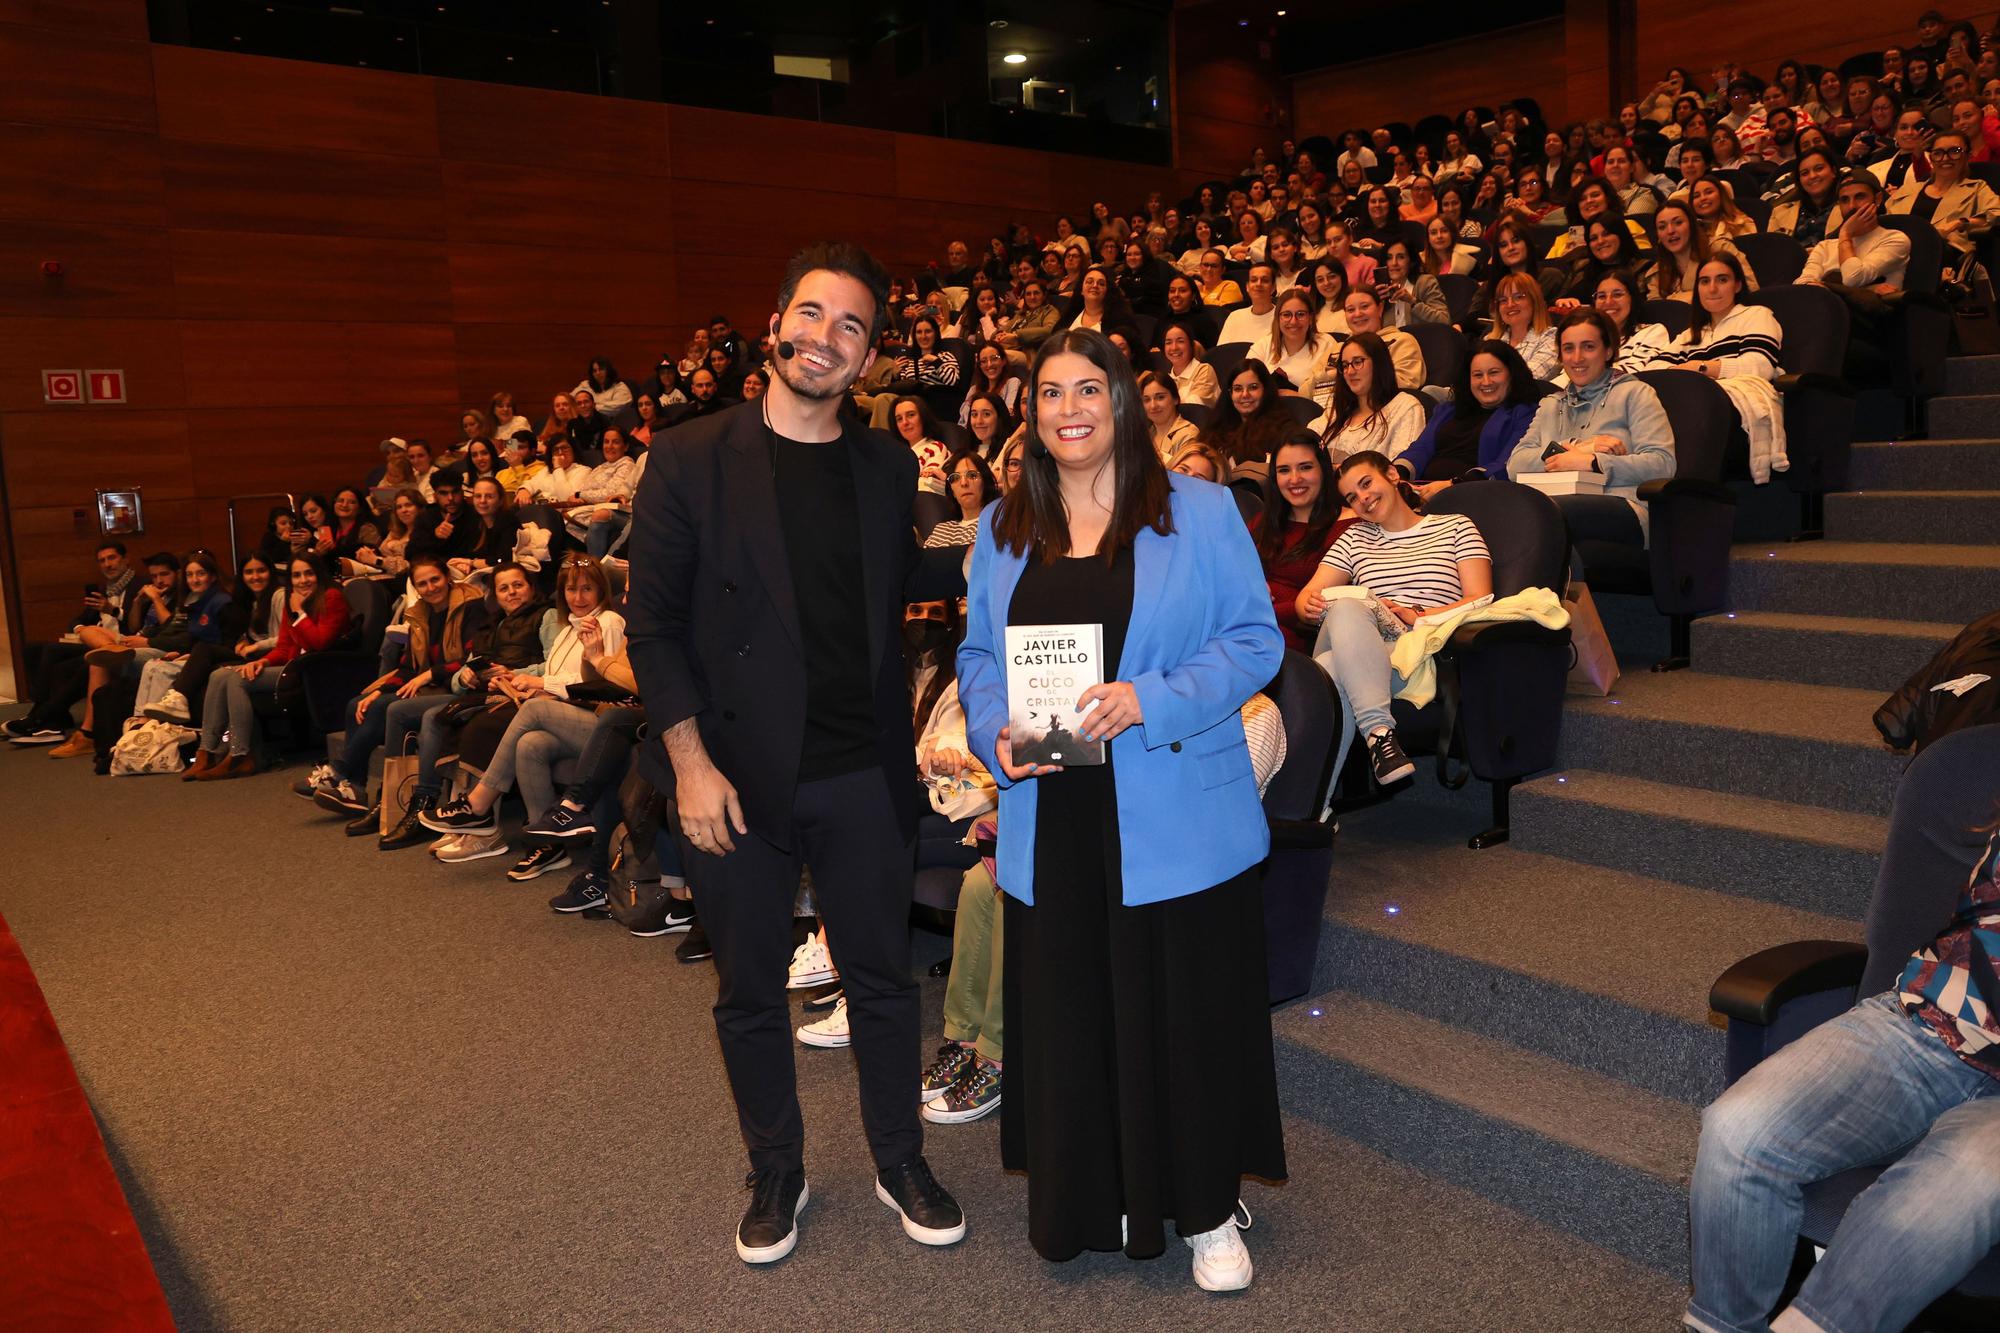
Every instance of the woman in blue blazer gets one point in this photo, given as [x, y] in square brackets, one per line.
[1139, 1086]
[1492, 405]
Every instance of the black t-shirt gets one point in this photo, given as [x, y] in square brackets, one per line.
[821, 524]
[1457, 446]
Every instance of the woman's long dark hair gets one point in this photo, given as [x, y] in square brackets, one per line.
[1003, 423]
[1249, 439]
[1381, 384]
[1277, 514]
[1666, 275]
[1522, 386]
[1378, 460]
[1701, 320]
[1032, 517]
[258, 605]
[320, 584]
[945, 659]
[1117, 313]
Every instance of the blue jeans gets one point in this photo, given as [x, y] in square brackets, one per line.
[389, 720]
[1852, 1092]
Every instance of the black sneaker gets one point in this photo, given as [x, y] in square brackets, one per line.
[942, 1072]
[826, 996]
[341, 797]
[1391, 764]
[561, 822]
[770, 1226]
[651, 910]
[930, 1215]
[459, 817]
[539, 861]
[368, 822]
[695, 948]
[409, 830]
[585, 890]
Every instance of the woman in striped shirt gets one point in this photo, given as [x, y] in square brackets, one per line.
[1401, 564]
[1738, 346]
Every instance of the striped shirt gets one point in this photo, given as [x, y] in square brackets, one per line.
[1417, 567]
[1745, 341]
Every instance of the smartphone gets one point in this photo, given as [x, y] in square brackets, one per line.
[91, 590]
[1381, 274]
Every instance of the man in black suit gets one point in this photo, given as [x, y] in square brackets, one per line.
[772, 558]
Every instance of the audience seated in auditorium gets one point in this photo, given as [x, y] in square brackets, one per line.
[1473, 433]
[1364, 315]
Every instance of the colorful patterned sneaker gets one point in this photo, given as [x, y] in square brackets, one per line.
[975, 1094]
[951, 1061]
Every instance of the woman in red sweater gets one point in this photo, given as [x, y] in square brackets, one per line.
[316, 618]
[1301, 519]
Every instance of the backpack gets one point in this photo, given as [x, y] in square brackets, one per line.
[1923, 710]
[149, 746]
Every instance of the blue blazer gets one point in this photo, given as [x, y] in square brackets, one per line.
[1201, 641]
[1497, 438]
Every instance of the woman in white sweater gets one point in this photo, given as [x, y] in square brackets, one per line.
[1739, 347]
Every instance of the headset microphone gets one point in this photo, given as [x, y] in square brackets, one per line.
[783, 347]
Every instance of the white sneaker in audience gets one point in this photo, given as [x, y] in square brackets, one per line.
[1221, 1263]
[470, 847]
[172, 707]
[830, 1031]
[811, 965]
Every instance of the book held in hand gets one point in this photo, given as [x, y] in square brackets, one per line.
[1048, 667]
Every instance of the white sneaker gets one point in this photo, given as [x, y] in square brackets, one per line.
[830, 1031]
[812, 965]
[470, 847]
[1221, 1263]
[171, 707]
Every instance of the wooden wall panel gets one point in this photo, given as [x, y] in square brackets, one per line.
[253, 363]
[534, 362]
[148, 449]
[106, 271]
[1005, 180]
[773, 222]
[246, 450]
[226, 187]
[730, 146]
[97, 19]
[1699, 33]
[1445, 79]
[147, 350]
[253, 275]
[530, 127]
[221, 97]
[58, 173]
[53, 562]
[744, 287]
[506, 284]
[550, 207]
[51, 80]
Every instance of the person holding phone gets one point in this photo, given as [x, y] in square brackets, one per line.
[1117, 903]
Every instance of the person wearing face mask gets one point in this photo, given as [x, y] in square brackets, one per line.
[1163, 917]
[1605, 421]
[1474, 433]
[1395, 564]
[391, 708]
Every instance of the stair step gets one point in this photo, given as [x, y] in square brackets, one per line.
[1811, 744]
[1606, 971]
[1591, 1155]
[1965, 517]
[1965, 416]
[1972, 375]
[1938, 464]
[1817, 650]
[1798, 856]
[1950, 584]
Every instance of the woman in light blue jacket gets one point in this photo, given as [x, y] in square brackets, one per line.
[1139, 1086]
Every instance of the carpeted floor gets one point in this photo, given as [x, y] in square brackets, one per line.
[349, 1090]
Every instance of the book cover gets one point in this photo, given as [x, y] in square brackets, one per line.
[1048, 667]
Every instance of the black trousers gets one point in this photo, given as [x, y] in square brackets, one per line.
[846, 829]
[57, 680]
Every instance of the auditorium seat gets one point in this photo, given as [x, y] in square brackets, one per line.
[1444, 351]
[1297, 808]
[1460, 289]
[1819, 404]
[1498, 710]
[1920, 332]
[1776, 260]
[1777, 995]
[1226, 360]
[1675, 316]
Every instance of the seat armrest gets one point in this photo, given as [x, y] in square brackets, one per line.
[1298, 834]
[1814, 381]
[1492, 633]
[1757, 988]
[1692, 488]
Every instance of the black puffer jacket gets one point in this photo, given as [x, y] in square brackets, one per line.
[1919, 713]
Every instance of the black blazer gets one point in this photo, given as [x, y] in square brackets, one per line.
[712, 621]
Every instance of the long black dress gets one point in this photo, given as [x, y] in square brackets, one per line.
[1139, 1079]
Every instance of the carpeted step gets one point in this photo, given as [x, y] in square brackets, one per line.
[1596, 1157]
[1816, 650]
[1966, 517]
[1951, 584]
[1604, 970]
[1809, 744]
[1947, 465]
[1965, 416]
[1972, 375]
[1807, 857]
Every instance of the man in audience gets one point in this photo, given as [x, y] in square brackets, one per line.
[722, 334]
[587, 427]
[1913, 136]
[53, 669]
[1930, 43]
[1781, 140]
[1364, 315]
[444, 529]
[756, 635]
[1864, 255]
[1742, 99]
[957, 266]
[704, 396]
[1246, 324]
[1352, 150]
